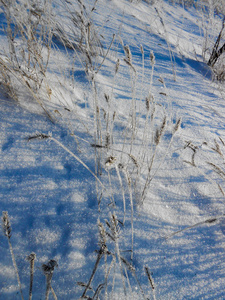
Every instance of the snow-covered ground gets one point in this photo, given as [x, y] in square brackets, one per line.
[52, 196]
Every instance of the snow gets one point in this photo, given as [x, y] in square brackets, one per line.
[54, 201]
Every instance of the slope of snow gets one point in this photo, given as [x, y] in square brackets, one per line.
[51, 198]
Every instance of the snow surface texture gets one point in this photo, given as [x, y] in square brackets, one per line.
[53, 200]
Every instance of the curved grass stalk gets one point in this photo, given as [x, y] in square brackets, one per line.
[53, 293]
[106, 54]
[77, 158]
[114, 229]
[48, 285]
[132, 210]
[128, 281]
[149, 176]
[132, 270]
[107, 275]
[110, 184]
[43, 136]
[149, 100]
[142, 82]
[100, 254]
[208, 221]
[123, 194]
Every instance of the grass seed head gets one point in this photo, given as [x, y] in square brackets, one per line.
[217, 148]
[159, 131]
[147, 103]
[222, 141]
[107, 140]
[6, 224]
[31, 257]
[49, 267]
[106, 97]
[134, 160]
[110, 161]
[150, 278]
[152, 58]
[128, 54]
[149, 100]
[117, 65]
[102, 233]
[177, 125]
[161, 80]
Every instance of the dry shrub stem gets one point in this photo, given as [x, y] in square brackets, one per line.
[217, 52]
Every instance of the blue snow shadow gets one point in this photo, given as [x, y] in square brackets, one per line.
[3, 24]
[7, 145]
[200, 67]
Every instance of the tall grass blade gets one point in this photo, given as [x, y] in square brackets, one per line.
[8, 233]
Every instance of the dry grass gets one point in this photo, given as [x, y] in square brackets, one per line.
[31, 258]
[8, 233]
[132, 155]
[30, 26]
